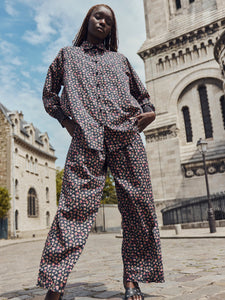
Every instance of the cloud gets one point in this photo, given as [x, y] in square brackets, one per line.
[45, 27]
[10, 8]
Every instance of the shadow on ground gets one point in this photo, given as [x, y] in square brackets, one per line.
[77, 290]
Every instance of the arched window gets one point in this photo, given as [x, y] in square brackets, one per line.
[27, 162]
[47, 194]
[36, 166]
[205, 111]
[178, 4]
[16, 220]
[46, 170]
[32, 205]
[16, 158]
[187, 123]
[31, 165]
[191, 1]
[47, 219]
[16, 189]
[222, 104]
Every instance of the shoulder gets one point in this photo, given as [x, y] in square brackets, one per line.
[69, 49]
[118, 56]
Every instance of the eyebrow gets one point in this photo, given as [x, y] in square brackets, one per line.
[102, 13]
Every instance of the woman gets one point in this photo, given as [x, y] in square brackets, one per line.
[103, 106]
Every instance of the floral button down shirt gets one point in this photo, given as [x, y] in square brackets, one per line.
[101, 93]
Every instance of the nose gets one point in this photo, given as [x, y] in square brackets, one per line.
[102, 22]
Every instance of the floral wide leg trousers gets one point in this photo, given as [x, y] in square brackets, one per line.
[83, 183]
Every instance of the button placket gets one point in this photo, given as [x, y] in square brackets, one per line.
[98, 93]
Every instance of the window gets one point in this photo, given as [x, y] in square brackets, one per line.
[31, 165]
[16, 189]
[16, 219]
[16, 158]
[47, 219]
[36, 166]
[191, 1]
[187, 124]
[178, 4]
[222, 104]
[47, 194]
[32, 209]
[205, 111]
[27, 162]
[46, 170]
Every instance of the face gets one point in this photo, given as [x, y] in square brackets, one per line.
[100, 24]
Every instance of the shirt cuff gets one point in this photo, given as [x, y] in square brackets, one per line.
[61, 117]
[147, 107]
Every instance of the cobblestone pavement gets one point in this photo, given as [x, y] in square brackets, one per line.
[194, 270]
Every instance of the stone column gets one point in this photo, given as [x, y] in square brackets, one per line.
[219, 54]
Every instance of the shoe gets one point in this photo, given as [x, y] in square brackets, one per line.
[53, 295]
[130, 292]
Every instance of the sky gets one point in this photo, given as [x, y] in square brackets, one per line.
[31, 34]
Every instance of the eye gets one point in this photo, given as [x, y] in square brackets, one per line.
[109, 21]
[97, 16]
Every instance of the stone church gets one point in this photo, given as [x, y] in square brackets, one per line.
[27, 170]
[185, 84]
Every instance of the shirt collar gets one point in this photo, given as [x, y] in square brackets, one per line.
[88, 46]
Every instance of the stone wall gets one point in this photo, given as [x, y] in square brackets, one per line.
[5, 151]
[27, 169]
[179, 57]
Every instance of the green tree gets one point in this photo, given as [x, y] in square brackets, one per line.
[4, 202]
[109, 191]
[59, 179]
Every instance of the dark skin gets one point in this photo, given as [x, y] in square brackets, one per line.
[100, 24]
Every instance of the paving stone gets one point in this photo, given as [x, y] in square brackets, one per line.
[9, 295]
[106, 295]
[100, 288]
[187, 278]
[194, 270]
[38, 298]
[84, 298]
[220, 296]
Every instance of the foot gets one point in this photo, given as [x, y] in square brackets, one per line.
[133, 291]
[52, 295]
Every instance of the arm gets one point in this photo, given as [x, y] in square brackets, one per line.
[139, 92]
[52, 87]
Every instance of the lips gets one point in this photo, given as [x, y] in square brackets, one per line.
[100, 29]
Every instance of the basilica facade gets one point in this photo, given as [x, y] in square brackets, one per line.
[185, 84]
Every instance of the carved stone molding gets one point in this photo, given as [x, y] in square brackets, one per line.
[197, 169]
[190, 37]
[219, 54]
[162, 133]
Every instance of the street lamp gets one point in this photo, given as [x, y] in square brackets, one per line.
[202, 147]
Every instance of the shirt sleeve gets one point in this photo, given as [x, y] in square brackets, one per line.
[138, 91]
[52, 87]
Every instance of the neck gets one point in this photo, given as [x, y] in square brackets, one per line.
[94, 41]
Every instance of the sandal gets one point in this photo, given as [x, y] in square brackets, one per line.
[130, 292]
[139, 292]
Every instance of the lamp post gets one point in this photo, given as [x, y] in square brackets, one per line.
[202, 147]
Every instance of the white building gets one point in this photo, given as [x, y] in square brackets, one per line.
[185, 84]
[27, 170]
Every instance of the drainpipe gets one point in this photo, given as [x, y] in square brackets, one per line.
[13, 223]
